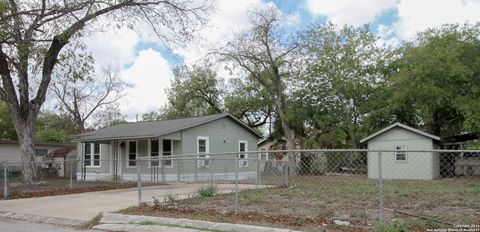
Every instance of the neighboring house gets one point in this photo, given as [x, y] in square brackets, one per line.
[65, 160]
[111, 152]
[401, 164]
[10, 152]
[274, 159]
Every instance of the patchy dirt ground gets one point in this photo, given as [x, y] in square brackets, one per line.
[62, 186]
[313, 202]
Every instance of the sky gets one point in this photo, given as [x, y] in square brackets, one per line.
[147, 65]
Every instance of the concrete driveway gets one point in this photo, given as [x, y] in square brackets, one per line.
[85, 206]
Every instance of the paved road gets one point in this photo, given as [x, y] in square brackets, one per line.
[9, 225]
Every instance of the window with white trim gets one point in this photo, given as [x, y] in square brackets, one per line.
[263, 154]
[400, 154]
[92, 155]
[132, 153]
[202, 152]
[242, 155]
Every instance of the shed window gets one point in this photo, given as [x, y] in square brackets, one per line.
[400, 154]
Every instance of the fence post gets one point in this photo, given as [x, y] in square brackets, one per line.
[139, 182]
[211, 170]
[5, 180]
[285, 173]
[178, 170]
[380, 186]
[236, 184]
[257, 167]
[71, 172]
[195, 163]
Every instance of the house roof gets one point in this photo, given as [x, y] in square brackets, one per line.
[62, 152]
[154, 128]
[40, 143]
[402, 126]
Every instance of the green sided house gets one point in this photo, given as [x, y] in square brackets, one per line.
[184, 149]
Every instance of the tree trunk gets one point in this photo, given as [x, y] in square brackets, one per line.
[287, 130]
[350, 130]
[27, 147]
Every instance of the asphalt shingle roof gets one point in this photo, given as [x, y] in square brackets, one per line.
[152, 129]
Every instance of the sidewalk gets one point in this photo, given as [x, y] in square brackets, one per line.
[120, 222]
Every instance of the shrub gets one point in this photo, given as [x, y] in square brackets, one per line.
[207, 190]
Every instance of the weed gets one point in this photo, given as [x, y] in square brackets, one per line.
[207, 190]
[93, 222]
[253, 199]
[146, 223]
[156, 202]
[171, 199]
[391, 227]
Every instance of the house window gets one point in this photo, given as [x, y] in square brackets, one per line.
[167, 153]
[263, 154]
[242, 156]
[96, 154]
[132, 153]
[400, 154]
[202, 152]
[154, 151]
[92, 155]
[41, 152]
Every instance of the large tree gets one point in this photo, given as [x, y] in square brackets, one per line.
[263, 52]
[87, 97]
[195, 91]
[34, 32]
[437, 80]
[198, 91]
[342, 68]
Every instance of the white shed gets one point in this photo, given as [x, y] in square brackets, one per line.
[421, 163]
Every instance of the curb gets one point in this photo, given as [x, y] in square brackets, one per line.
[41, 219]
[124, 220]
[141, 228]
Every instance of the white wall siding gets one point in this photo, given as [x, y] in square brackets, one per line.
[419, 165]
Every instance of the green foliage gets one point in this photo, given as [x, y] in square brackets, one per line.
[171, 199]
[52, 127]
[438, 80]
[194, 92]
[254, 197]
[7, 130]
[207, 190]
[342, 69]
[249, 101]
[391, 227]
[50, 135]
[156, 202]
[198, 91]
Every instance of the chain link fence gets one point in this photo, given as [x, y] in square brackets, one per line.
[313, 187]
[299, 188]
[58, 177]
